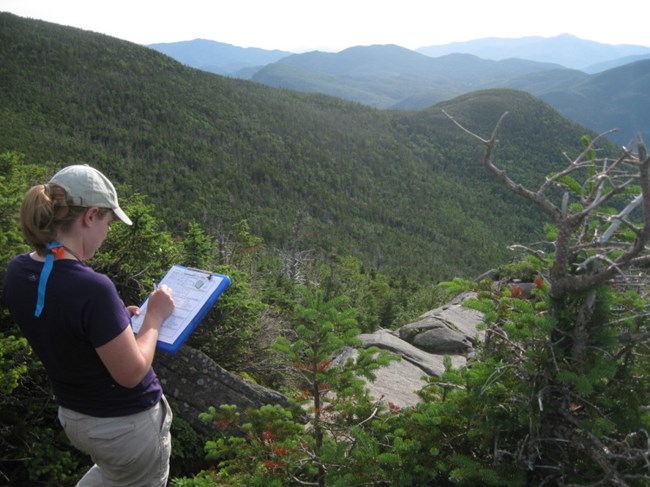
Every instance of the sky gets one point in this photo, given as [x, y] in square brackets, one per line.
[333, 25]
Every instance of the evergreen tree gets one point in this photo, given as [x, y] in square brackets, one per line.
[275, 448]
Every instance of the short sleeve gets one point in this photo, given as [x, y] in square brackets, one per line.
[104, 316]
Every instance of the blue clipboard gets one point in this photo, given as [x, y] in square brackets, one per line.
[194, 291]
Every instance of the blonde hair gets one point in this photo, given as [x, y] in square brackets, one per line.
[47, 210]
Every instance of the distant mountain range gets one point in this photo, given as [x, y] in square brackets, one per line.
[567, 50]
[393, 77]
[600, 86]
[220, 58]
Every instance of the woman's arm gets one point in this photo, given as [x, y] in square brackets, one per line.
[127, 357]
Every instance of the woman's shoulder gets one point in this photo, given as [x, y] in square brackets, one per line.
[88, 286]
[89, 275]
[21, 259]
[22, 263]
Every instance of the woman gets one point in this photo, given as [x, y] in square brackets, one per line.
[111, 404]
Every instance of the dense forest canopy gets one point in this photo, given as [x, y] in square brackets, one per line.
[401, 190]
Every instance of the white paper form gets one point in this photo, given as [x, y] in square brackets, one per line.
[191, 290]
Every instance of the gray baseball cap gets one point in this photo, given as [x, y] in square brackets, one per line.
[88, 187]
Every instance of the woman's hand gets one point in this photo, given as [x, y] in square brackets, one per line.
[161, 303]
[133, 310]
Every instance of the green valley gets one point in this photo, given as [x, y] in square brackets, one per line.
[403, 191]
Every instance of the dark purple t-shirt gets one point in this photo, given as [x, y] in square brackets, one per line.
[82, 312]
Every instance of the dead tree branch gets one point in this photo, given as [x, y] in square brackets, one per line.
[605, 187]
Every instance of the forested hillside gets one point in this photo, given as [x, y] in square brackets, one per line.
[402, 190]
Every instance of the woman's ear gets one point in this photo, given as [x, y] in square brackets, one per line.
[90, 214]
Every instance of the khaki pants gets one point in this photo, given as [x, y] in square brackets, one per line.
[127, 451]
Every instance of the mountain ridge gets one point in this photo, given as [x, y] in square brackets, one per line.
[571, 53]
[564, 49]
[391, 73]
[393, 77]
[218, 57]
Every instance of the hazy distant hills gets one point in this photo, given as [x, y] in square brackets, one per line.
[581, 79]
[219, 58]
[565, 49]
[385, 76]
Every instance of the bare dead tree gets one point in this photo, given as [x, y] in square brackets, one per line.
[592, 247]
[296, 264]
[603, 187]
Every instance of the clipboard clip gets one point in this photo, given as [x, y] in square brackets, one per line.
[207, 273]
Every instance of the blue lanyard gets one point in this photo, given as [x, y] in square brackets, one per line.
[45, 275]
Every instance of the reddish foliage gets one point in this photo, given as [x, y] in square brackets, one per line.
[271, 465]
[304, 395]
[394, 408]
[268, 436]
[323, 365]
[516, 292]
[281, 450]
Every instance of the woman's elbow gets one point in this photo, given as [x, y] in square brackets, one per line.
[129, 382]
[131, 378]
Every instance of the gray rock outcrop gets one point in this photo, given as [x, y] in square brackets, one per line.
[428, 363]
[195, 382]
[397, 383]
[451, 330]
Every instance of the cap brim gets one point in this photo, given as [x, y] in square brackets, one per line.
[122, 216]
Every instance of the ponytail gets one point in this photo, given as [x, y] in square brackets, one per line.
[45, 211]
